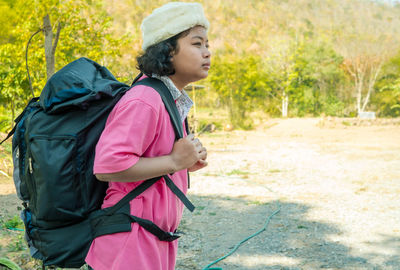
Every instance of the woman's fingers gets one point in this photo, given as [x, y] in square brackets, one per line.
[200, 149]
[203, 153]
[203, 162]
[197, 142]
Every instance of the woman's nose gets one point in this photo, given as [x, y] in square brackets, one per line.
[207, 53]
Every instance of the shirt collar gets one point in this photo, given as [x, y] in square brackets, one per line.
[170, 85]
[182, 99]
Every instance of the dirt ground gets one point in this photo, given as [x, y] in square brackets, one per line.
[335, 182]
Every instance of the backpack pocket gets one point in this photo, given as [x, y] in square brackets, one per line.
[65, 246]
[54, 178]
[17, 179]
[26, 217]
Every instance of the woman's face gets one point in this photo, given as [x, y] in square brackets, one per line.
[192, 61]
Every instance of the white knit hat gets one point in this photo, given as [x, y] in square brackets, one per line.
[170, 20]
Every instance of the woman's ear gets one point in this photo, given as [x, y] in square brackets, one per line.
[171, 55]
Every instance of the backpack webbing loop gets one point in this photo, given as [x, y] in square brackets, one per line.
[155, 230]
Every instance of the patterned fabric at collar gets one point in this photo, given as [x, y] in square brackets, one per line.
[182, 99]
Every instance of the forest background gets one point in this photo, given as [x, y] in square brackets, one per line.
[290, 58]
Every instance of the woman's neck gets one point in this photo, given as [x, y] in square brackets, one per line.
[178, 83]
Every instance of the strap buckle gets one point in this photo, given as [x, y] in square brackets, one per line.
[170, 236]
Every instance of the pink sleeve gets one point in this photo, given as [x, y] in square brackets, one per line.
[130, 129]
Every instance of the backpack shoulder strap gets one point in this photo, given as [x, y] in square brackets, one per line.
[169, 103]
[112, 212]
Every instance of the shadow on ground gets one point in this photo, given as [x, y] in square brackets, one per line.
[10, 205]
[291, 241]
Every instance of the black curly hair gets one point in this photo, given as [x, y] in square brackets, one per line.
[157, 58]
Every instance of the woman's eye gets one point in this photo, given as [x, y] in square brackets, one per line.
[197, 44]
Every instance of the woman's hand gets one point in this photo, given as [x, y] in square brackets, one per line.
[189, 153]
[198, 165]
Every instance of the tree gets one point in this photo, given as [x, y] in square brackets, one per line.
[50, 45]
[319, 80]
[281, 66]
[241, 83]
[366, 46]
[387, 98]
[85, 32]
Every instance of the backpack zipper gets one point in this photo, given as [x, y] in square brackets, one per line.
[30, 165]
[28, 156]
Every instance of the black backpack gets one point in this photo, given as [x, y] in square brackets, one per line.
[53, 153]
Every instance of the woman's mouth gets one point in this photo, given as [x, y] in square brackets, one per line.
[206, 65]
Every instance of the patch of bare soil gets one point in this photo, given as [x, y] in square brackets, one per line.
[336, 184]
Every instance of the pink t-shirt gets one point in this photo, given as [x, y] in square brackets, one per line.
[138, 126]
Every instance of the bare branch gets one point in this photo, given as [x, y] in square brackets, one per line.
[53, 50]
[48, 46]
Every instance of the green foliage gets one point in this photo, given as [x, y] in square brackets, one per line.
[17, 244]
[4, 122]
[13, 223]
[6, 20]
[262, 54]
[387, 98]
[320, 77]
[308, 73]
[240, 83]
[209, 126]
[85, 32]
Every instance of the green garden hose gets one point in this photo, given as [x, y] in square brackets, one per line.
[9, 264]
[241, 242]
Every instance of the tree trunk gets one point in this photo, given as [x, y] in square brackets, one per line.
[371, 83]
[359, 79]
[49, 46]
[285, 102]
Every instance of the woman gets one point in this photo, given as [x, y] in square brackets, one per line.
[138, 140]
